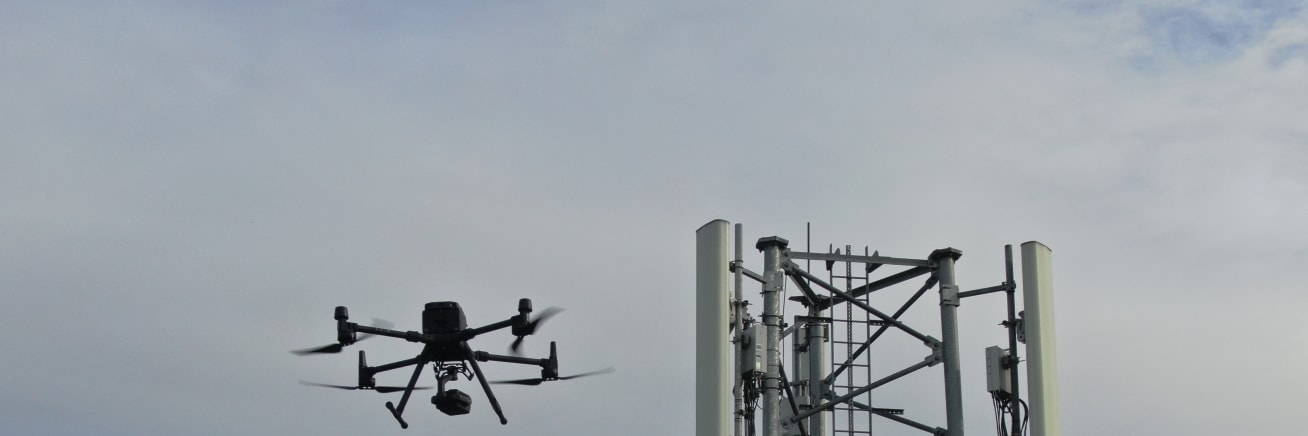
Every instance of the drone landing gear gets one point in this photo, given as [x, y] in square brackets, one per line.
[495, 404]
[398, 411]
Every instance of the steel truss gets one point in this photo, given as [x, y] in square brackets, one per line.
[863, 325]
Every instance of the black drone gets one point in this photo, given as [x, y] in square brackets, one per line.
[445, 345]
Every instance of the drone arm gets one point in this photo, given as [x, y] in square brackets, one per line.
[470, 333]
[495, 404]
[408, 390]
[396, 365]
[410, 336]
[488, 357]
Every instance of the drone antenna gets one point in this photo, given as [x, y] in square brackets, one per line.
[552, 371]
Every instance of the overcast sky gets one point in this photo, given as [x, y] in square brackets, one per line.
[188, 189]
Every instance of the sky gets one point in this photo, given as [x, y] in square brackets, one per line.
[189, 189]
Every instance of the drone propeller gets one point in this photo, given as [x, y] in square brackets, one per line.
[333, 348]
[337, 347]
[515, 347]
[537, 381]
[378, 323]
[381, 389]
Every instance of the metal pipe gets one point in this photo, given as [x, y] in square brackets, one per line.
[895, 416]
[1003, 287]
[790, 396]
[906, 421]
[772, 248]
[796, 389]
[1012, 341]
[794, 269]
[949, 299]
[860, 391]
[738, 320]
[874, 259]
[868, 343]
[750, 274]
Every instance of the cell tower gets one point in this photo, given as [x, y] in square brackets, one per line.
[741, 392]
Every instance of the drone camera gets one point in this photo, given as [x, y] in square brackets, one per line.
[452, 402]
[443, 317]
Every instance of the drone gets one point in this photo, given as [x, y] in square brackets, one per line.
[445, 337]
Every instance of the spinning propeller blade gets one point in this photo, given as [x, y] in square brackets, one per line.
[515, 347]
[333, 348]
[378, 323]
[381, 389]
[587, 374]
[517, 343]
[336, 348]
[525, 381]
[537, 381]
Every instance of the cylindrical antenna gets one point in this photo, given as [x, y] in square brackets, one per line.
[712, 381]
[1042, 365]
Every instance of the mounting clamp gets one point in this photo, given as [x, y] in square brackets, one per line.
[949, 295]
[937, 351]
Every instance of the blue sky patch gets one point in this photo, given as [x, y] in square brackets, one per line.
[1209, 32]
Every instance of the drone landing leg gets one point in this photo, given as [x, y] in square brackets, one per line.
[397, 411]
[495, 404]
[391, 406]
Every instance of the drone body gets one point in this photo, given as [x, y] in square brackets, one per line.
[443, 318]
[445, 337]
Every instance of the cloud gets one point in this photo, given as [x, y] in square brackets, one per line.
[188, 191]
